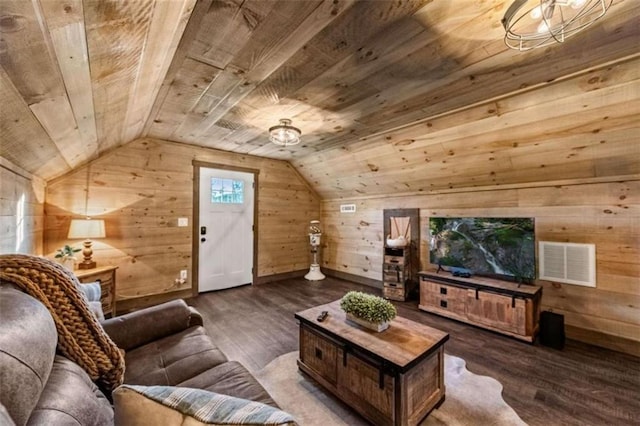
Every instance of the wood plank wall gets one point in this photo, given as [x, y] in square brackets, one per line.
[142, 188]
[21, 210]
[606, 214]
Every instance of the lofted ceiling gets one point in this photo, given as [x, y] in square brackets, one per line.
[391, 96]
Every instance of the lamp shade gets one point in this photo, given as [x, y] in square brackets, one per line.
[86, 228]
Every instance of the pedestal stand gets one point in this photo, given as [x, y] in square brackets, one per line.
[314, 273]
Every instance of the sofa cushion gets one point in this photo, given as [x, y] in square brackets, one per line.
[71, 398]
[5, 419]
[231, 378]
[173, 359]
[167, 405]
[137, 328]
[27, 349]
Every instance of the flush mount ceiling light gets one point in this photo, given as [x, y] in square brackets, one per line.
[284, 134]
[537, 23]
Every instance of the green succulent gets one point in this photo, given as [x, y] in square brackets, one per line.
[368, 307]
[66, 252]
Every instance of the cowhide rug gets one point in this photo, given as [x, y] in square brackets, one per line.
[470, 399]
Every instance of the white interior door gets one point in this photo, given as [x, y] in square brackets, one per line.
[225, 229]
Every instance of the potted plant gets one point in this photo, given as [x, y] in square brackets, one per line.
[368, 310]
[67, 256]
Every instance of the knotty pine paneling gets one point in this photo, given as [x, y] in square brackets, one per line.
[142, 188]
[605, 214]
[583, 127]
[80, 78]
[21, 210]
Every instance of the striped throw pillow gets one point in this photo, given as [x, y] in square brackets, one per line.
[92, 291]
[168, 405]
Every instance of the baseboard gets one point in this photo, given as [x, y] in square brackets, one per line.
[283, 276]
[596, 338]
[128, 305]
[351, 277]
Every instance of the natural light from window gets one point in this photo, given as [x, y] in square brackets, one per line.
[227, 191]
[20, 223]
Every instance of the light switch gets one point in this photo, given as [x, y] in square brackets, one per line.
[183, 221]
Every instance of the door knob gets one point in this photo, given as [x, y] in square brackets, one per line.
[203, 239]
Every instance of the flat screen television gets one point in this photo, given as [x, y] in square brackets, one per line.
[496, 247]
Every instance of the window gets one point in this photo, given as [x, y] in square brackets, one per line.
[20, 224]
[227, 191]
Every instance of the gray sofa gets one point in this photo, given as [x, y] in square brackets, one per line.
[164, 345]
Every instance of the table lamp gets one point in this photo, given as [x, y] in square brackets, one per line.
[86, 228]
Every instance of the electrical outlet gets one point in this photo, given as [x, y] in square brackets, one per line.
[183, 274]
[183, 221]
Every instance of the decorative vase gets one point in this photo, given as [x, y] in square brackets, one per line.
[69, 263]
[367, 324]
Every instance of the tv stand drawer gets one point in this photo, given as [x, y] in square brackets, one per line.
[442, 298]
[501, 306]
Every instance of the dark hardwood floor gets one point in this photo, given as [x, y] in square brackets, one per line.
[579, 385]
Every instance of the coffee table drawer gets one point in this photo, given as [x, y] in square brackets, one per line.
[319, 353]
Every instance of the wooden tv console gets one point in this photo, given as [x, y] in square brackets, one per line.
[501, 306]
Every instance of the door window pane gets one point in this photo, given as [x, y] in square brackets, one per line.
[227, 191]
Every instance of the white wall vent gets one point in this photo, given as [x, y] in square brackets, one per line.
[347, 208]
[569, 263]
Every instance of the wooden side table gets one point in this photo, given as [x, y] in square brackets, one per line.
[106, 276]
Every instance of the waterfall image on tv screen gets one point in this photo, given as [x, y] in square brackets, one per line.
[502, 247]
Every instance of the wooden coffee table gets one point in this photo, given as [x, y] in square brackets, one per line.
[395, 377]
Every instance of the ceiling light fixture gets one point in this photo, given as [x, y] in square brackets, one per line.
[530, 24]
[284, 134]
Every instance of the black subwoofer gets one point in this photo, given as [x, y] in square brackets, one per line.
[552, 329]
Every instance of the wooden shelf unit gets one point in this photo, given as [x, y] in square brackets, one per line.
[501, 306]
[106, 276]
[401, 264]
[396, 273]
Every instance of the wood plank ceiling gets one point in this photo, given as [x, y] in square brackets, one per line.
[391, 96]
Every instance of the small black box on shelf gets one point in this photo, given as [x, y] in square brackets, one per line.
[552, 329]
